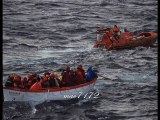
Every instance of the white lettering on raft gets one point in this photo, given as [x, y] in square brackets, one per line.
[14, 93]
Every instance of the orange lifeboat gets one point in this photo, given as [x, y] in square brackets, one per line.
[124, 40]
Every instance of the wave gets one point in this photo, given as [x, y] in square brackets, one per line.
[76, 30]
[58, 47]
[140, 3]
[24, 47]
[46, 5]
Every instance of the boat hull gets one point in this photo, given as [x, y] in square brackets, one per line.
[64, 93]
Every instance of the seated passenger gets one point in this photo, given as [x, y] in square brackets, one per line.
[116, 32]
[38, 78]
[10, 82]
[73, 77]
[109, 35]
[90, 74]
[80, 79]
[61, 78]
[51, 80]
[66, 78]
[80, 74]
[56, 79]
[60, 81]
[31, 80]
[115, 29]
[35, 77]
[45, 81]
[17, 81]
[82, 71]
[24, 83]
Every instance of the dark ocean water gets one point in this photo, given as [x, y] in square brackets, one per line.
[40, 35]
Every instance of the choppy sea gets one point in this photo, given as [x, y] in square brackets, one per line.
[45, 35]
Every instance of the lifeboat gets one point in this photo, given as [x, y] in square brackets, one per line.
[124, 40]
[36, 93]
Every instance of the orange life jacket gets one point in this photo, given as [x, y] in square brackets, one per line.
[79, 77]
[109, 34]
[17, 80]
[66, 77]
[24, 82]
[45, 81]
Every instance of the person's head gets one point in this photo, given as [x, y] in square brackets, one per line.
[56, 74]
[17, 78]
[52, 75]
[90, 67]
[47, 76]
[34, 74]
[13, 74]
[11, 77]
[79, 66]
[115, 26]
[46, 73]
[45, 79]
[25, 78]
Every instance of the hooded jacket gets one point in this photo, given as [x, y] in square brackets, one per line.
[90, 74]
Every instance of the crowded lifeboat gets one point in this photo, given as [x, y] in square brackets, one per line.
[50, 85]
[114, 38]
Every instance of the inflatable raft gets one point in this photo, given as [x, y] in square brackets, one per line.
[43, 94]
[125, 40]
